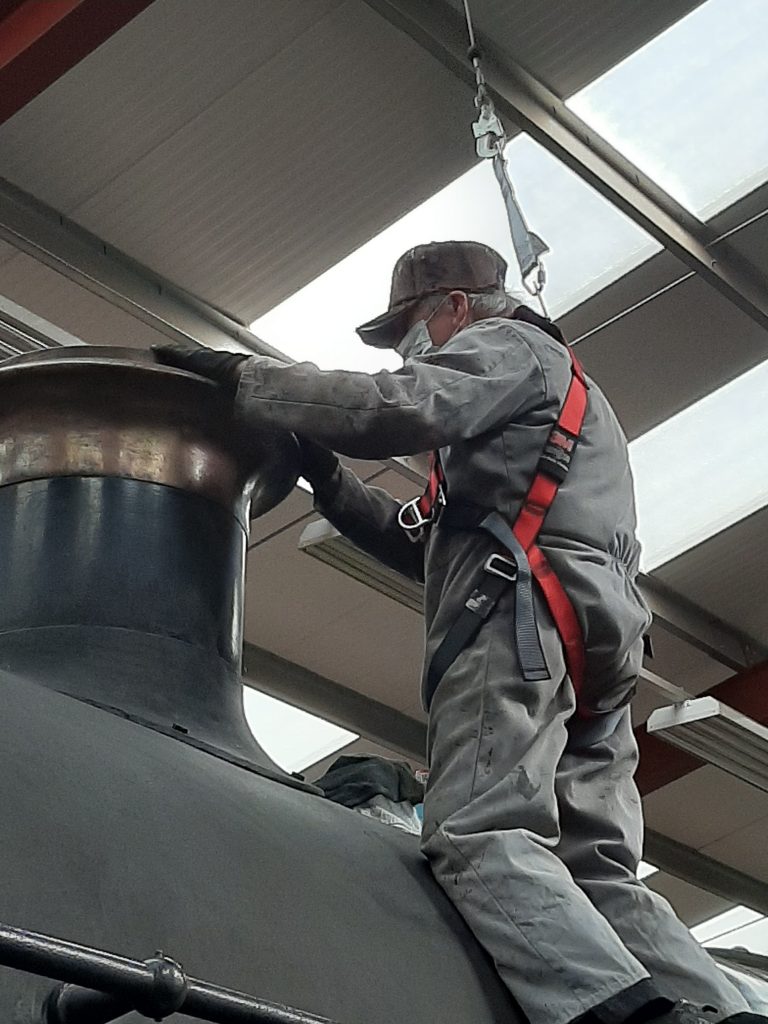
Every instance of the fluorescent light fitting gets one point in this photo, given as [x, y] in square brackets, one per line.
[325, 543]
[723, 924]
[718, 735]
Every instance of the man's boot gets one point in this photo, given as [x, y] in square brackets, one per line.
[683, 1012]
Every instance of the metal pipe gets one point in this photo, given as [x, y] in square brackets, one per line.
[70, 1004]
[157, 987]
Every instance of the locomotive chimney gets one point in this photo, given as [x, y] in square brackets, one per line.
[125, 490]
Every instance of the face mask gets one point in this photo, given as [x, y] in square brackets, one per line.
[417, 341]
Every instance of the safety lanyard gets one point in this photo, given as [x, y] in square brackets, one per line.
[490, 140]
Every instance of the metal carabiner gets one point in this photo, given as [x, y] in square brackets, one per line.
[488, 131]
[535, 281]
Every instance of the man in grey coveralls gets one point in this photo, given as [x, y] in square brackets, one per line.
[532, 822]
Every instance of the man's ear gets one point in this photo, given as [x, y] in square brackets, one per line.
[460, 311]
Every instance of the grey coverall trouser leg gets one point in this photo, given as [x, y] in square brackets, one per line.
[538, 846]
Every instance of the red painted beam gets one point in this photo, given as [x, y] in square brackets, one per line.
[40, 40]
[661, 763]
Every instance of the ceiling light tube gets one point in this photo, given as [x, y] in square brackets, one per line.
[717, 735]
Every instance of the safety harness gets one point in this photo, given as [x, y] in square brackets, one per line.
[521, 559]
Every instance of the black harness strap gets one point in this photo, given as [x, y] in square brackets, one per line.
[499, 573]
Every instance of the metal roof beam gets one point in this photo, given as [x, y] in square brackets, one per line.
[686, 620]
[708, 874]
[45, 234]
[534, 108]
[23, 331]
[309, 691]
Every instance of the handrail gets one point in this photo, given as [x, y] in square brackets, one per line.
[100, 986]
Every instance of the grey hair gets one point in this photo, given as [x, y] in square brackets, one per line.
[499, 303]
[482, 304]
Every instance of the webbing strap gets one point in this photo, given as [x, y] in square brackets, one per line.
[533, 664]
[562, 441]
[542, 492]
[566, 621]
[498, 573]
[435, 484]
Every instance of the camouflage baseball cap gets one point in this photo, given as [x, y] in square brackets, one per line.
[433, 269]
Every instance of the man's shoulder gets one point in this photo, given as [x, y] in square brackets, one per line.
[498, 335]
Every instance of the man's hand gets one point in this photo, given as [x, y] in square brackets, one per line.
[317, 464]
[222, 367]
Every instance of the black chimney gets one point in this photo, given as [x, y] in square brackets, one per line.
[125, 494]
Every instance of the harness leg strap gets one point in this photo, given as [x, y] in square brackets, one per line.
[533, 664]
[499, 573]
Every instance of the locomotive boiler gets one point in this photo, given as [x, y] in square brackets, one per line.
[140, 818]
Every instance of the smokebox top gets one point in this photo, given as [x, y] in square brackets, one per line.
[108, 411]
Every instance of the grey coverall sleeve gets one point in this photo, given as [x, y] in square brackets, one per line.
[477, 381]
[368, 517]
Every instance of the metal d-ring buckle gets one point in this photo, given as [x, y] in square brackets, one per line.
[412, 521]
[498, 565]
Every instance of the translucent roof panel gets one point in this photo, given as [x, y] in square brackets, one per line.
[591, 245]
[688, 108]
[293, 738]
[700, 471]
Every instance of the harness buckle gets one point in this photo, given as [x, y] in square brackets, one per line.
[411, 520]
[498, 565]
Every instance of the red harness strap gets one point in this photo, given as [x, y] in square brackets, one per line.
[435, 491]
[552, 470]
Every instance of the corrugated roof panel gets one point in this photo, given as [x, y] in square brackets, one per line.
[294, 165]
[727, 574]
[692, 905]
[744, 850]
[732, 805]
[140, 87]
[684, 108]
